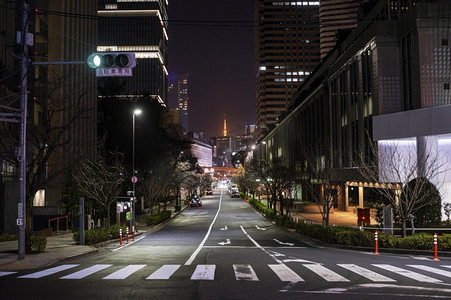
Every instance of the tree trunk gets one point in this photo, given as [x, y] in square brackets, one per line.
[108, 216]
[403, 224]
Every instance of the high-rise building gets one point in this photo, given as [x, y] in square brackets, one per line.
[336, 17]
[287, 51]
[178, 98]
[139, 27]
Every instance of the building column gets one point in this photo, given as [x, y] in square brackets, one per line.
[427, 156]
[346, 197]
[361, 196]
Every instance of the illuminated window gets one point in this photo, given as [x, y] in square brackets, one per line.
[39, 198]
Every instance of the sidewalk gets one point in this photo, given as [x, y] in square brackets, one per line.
[59, 247]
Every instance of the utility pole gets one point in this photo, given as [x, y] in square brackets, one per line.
[21, 153]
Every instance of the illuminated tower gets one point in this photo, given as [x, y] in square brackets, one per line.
[225, 126]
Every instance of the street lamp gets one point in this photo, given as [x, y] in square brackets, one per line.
[134, 178]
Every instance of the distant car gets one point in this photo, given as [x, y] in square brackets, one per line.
[195, 201]
[209, 191]
[234, 193]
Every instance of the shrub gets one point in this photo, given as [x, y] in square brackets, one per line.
[8, 237]
[98, 235]
[38, 243]
[158, 218]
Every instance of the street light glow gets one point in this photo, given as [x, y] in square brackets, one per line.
[137, 112]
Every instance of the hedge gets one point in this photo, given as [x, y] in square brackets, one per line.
[158, 218]
[340, 235]
[8, 237]
[98, 235]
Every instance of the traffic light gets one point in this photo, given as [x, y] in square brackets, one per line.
[111, 60]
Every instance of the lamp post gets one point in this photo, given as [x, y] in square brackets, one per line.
[134, 178]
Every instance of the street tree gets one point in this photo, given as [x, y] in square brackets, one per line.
[101, 181]
[410, 181]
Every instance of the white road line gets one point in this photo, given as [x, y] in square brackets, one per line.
[125, 272]
[86, 272]
[407, 273]
[193, 256]
[130, 243]
[245, 272]
[258, 246]
[47, 272]
[373, 276]
[204, 272]
[325, 273]
[432, 270]
[163, 273]
[6, 273]
[285, 273]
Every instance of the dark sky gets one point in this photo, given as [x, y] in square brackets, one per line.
[219, 59]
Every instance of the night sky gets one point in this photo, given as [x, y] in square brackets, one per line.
[220, 60]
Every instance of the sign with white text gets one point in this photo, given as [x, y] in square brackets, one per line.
[113, 72]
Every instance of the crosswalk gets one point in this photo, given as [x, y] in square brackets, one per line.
[376, 273]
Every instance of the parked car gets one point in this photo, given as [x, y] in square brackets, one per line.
[195, 201]
[209, 191]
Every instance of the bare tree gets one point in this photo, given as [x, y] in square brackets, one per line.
[101, 181]
[404, 175]
[317, 176]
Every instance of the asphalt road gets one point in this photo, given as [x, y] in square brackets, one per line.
[225, 250]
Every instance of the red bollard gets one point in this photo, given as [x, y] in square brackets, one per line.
[133, 232]
[127, 235]
[435, 248]
[376, 250]
[120, 236]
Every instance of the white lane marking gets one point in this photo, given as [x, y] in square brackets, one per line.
[245, 272]
[227, 242]
[6, 273]
[407, 273]
[130, 243]
[258, 246]
[282, 243]
[165, 272]
[259, 228]
[224, 228]
[285, 273]
[432, 270]
[124, 272]
[86, 272]
[204, 272]
[47, 272]
[193, 256]
[446, 266]
[325, 273]
[277, 254]
[373, 276]
[298, 260]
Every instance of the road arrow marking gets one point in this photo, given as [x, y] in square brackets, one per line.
[224, 228]
[227, 242]
[282, 243]
[260, 228]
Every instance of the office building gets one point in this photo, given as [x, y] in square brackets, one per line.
[336, 19]
[287, 42]
[139, 27]
[178, 98]
[386, 85]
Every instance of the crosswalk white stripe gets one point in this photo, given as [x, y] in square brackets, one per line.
[327, 274]
[285, 273]
[407, 273]
[446, 266]
[432, 270]
[245, 272]
[373, 276]
[124, 272]
[6, 273]
[47, 272]
[204, 272]
[86, 272]
[164, 272]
